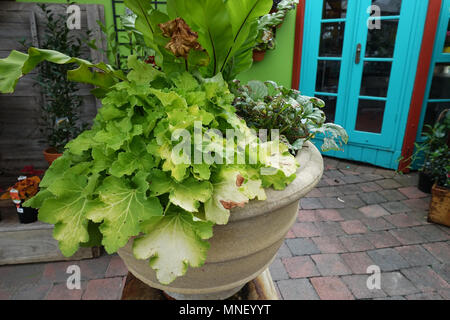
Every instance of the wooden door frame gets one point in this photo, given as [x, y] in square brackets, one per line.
[423, 69]
[420, 85]
[298, 44]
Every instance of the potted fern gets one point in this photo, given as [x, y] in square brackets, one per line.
[169, 176]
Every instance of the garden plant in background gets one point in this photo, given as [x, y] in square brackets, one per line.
[437, 166]
[434, 175]
[267, 27]
[133, 41]
[20, 192]
[27, 188]
[61, 108]
[433, 151]
[266, 105]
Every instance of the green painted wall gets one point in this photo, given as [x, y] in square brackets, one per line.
[276, 66]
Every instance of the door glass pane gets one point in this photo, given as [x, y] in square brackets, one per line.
[370, 116]
[332, 39]
[328, 76]
[375, 80]
[334, 9]
[447, 40]
[330, 107]
[440, 87]
[381, 42]
[434, 109]
[388, 7]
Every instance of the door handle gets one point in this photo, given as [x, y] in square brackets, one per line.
[358, 53]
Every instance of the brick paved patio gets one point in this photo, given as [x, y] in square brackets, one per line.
[357, 216]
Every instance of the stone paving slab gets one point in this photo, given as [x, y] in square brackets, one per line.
[357, 218]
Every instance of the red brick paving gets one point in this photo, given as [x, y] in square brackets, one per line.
[61, 292]
[417, 204]
[413, 193]
[116, 268]
[307, 216]
[300, 267]
[329, 244]
[329, 215]
[104, 289]
[331, 264]
[353, 227]
[358, 262]
[382, 239]
[290, 235]
[305, 230]
[374, 211]
[402, 220]
[331, 288]
[356, 243]
[440, 250]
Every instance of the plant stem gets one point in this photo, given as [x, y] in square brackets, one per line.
[167, 208]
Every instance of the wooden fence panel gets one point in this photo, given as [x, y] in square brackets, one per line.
[21, 140]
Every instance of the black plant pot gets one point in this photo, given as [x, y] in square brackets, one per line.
[425, 182]
[27, 215]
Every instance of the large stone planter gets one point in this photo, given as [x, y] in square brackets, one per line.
[246, 246]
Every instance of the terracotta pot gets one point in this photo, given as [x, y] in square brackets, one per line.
[440, 206]
[258, 55]
[246, 246]
[50, 154]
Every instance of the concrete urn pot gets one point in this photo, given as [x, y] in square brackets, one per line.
[241, 250]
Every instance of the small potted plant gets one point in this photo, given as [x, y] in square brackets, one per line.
[267, 26]
[435, 137]
[23, 190]
[439, 170]
[60, 111]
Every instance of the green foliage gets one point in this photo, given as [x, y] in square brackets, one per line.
[226, 30]
[437, 166]
[435, 150]
[298, 118]
[267, 25]
[61, 107]
[19, 64]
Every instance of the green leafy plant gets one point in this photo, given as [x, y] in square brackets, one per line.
[132, 176]
[226, 31]
[132, 40]
[434, 150]
[60, 111]
[437, 166]
[267, 24]
[266, 105]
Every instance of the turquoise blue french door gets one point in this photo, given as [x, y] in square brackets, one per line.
[360, 57]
